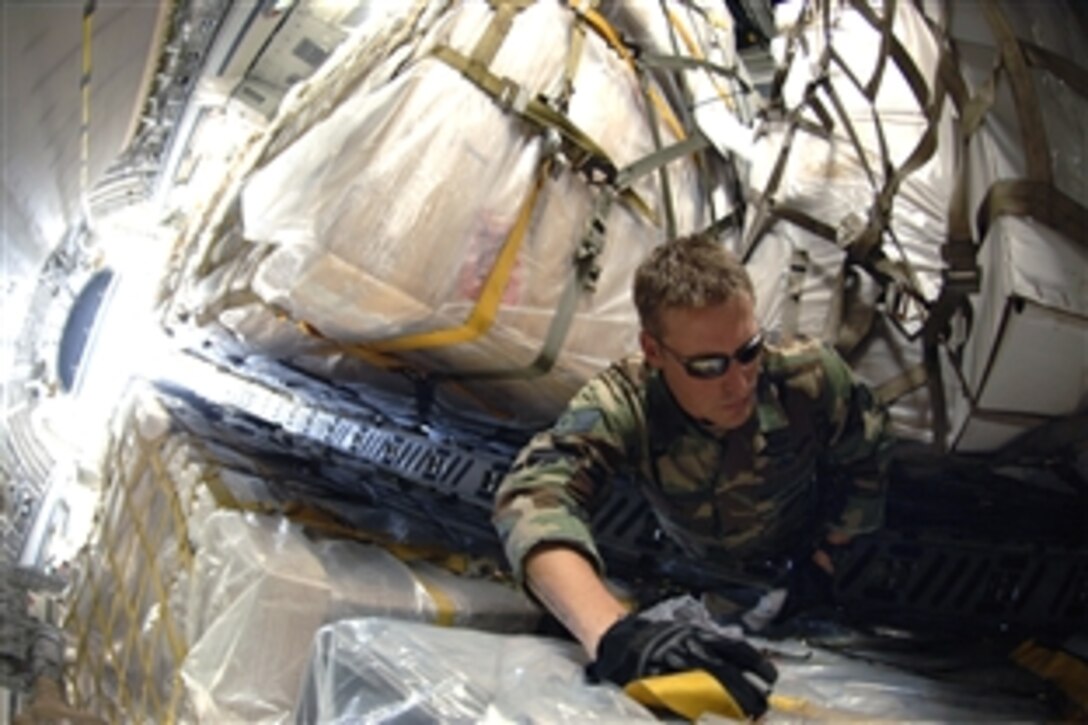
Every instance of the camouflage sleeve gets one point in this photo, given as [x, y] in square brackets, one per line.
[858, 448]
[558, 478]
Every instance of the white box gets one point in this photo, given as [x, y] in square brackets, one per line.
[1027, 356]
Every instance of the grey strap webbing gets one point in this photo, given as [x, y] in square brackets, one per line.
[585, 268]
[583, 276]
[683, 62]
[584, 151]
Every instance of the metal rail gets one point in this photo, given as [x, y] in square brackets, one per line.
[438, 491]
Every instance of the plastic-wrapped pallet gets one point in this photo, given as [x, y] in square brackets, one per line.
[470, 200]
[378, 670]
[186, 609]
[264, 590]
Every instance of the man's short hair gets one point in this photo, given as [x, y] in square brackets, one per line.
[692, 271]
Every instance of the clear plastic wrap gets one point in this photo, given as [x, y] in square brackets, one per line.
[261, 588]
[377, 670]
[385, 671]
[186, 610]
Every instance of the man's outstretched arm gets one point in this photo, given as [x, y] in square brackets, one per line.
[572, 590]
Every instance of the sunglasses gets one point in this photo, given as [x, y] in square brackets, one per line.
[706, 367]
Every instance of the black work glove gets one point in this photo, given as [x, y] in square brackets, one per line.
[634, 647]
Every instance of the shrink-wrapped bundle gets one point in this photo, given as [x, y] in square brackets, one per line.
[471, 207]
[189, 605]
[889, 215]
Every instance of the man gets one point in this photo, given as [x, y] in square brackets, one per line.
[746, 451]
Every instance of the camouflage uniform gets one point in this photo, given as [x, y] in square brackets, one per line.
[809, 461]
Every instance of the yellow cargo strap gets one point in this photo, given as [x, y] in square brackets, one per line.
[696, 52]
[696, 693]
[584, 269]
[486, 308]
[688, 694]
[604, 29]
[445, 607]
[318, 520]
[1066, 671]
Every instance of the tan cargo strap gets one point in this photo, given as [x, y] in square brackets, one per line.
[793, 38]
[907, 382]
[852, 320]
[794, 287]
[1073, 75]
[495, 33]
[938, 403]
[641, 62]
[765, 209]
[570, 67]
[1028, 110]
[694, 60]
[694, 143]
[585, 155]
[1041, 201]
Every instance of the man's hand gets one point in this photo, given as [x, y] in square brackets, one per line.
[822, 559]
[634, 647]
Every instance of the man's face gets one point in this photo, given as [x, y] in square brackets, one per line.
[726, 401]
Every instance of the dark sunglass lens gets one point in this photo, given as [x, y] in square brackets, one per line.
[708, 367]
[750, 351]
